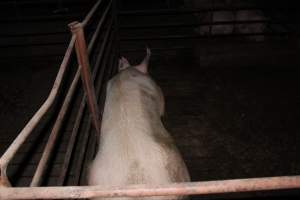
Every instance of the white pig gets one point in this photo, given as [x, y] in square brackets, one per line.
[134, 147]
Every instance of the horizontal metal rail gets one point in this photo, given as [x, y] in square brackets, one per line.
[194, 36]
[191, 11]
[174, 189]
[41, 18]
[234, 22]
[34, 44]
[32, 3]
[27, 34]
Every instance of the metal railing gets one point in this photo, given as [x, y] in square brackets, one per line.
[192, 188]
[30, 126]
[92, 95]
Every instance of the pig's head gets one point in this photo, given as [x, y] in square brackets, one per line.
[142, 67]
[138, 75]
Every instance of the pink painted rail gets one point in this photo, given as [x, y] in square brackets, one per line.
[174, 189]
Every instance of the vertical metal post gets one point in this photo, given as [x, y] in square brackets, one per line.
[83, 61]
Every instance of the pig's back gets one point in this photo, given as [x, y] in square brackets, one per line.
[135, 148]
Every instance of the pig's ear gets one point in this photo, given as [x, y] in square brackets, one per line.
[143, 67]
[123, 63]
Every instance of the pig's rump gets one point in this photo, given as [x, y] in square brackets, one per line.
[134, 147]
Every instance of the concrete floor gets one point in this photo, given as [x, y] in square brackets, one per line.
[235, 121]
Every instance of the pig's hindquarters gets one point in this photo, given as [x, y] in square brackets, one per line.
[136, 160]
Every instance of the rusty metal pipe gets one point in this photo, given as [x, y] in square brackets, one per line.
[51, 141]
[82, 104]
[86, 137]
[84, 159]
[83, 61]
[38, 176]
[174, 189]
[15, 145]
